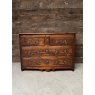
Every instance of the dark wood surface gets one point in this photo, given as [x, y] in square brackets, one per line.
[47, 51]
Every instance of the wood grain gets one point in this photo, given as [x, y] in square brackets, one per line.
[45, 4]
[49, 55]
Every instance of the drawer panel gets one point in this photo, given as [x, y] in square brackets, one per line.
[47, 61]
[46, 50]
[57, 41]
[31, 41]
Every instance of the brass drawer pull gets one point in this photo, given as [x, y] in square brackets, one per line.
[56, 52]
[47, 51]
[46, 39]
[38, 62]
[65, 62]
[65, 41]
[29, 52]
[38, 52]
[47, 62]
[64, 51]
[61, 42]
[57, 42]
[36, 41]
[33, 42]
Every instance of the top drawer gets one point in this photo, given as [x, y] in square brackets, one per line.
[32, 40]
[60, 39]
[46, 39]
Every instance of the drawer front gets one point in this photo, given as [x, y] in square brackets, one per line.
[47, 51]
[47, 61]
[32, 41]
[57, 41]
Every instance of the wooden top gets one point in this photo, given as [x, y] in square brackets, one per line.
[48, 33]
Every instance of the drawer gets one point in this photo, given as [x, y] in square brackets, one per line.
[47, 61]
[32, 40]
[47, 50]
[61, 40]
[57, 40]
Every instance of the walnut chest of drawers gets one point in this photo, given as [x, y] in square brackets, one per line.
[47, 51]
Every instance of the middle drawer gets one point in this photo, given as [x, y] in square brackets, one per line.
[30, 51]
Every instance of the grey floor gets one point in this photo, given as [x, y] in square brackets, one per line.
[47, 83]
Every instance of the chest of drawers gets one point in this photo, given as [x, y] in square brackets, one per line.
[47, 51]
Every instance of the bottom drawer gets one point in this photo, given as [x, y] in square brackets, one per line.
[47, 62]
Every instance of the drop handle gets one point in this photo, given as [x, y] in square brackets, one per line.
[29, 52]
[56, 52]
[47, 39]
[56, 41]
[64, 51]
[38, 62]
[38, 52]
[47, 51]
[47, 62]
[36, 42]
[65, 62]
[65, 41]
[33, 42]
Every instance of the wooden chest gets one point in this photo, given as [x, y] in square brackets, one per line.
[47, 51]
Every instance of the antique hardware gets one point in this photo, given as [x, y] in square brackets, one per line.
[65, 62]
[65, 41]
[38, 52]
[38, 62]
[61, 42]
[57, 42]
[29, 52]
[36, 41]
[47, 51]
[47, 39]
[47, 62]
[64, 51]
[56, 52]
